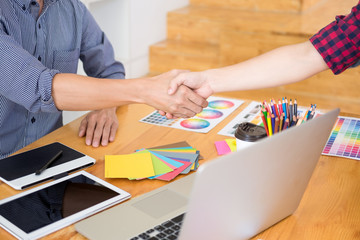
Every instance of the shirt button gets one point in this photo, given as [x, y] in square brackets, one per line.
[33, 3]
[39, 58]
[33, 120]
[39, 26]
[24, 7]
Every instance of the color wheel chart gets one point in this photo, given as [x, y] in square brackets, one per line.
[218, 109]
[344, 140]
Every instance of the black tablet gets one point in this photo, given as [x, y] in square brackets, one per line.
[19, 171]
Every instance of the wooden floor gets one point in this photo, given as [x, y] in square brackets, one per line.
[211, 33]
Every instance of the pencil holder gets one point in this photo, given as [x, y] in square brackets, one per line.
[278, 117]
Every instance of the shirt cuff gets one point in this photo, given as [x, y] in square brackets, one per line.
[336, 45]
[45, 88]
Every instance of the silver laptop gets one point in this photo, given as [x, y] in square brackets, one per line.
[232, 197]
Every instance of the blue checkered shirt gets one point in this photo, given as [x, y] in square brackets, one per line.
[33, 48]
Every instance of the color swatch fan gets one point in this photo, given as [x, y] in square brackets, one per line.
[162, 163]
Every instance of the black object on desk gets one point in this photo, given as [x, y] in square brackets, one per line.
[19, 171]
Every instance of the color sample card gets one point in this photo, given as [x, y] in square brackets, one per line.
[344, 140]
[218, 109]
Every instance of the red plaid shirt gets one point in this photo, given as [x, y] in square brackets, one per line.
[339, 42]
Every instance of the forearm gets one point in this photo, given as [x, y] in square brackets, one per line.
[76, 93]
[281, 66]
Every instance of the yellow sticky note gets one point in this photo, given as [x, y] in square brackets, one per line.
[129, 166]
[232, 144]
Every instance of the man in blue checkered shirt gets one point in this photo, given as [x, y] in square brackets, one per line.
[41, 42]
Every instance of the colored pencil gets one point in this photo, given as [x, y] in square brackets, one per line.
[284, 107]
[269, 124]
[264, 122]
[309, 112]
[273, 123]
[276, 109]
[281, 122]
[267, 107]
[280, 108]
[301, 120]
[312, 115]
[294, 121]
[276, 125]
[273, 108]
[286, 124]
[264, 111]
[290, 111]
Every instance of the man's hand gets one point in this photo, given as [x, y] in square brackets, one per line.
[99, 125]
[193, 80]
[182, 103]
[197, 81]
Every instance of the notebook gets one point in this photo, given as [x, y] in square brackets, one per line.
[232, 197]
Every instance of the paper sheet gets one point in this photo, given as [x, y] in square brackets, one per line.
[218, 109]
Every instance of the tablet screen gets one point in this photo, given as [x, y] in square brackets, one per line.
[53, 203]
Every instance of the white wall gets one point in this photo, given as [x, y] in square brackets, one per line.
[132, 26]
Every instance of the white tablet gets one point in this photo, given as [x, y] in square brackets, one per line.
[19, 171]
[37, 212]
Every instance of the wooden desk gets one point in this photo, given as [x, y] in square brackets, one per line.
[330, 208]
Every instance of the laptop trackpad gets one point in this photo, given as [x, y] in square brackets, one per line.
[161, 203]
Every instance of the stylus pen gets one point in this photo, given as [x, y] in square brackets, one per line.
[38, 172]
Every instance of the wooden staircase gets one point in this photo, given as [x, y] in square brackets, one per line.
[212, 33]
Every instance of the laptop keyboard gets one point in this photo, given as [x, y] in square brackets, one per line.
[167, 230]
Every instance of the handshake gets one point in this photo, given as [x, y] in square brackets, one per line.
[178, 93]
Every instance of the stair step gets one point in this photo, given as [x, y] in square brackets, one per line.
[259, 5]
[171, 54]
[195, 24]
[206, 24]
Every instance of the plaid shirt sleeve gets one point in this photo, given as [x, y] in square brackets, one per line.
[339, 42]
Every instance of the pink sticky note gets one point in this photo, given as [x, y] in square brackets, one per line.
[222, 147]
